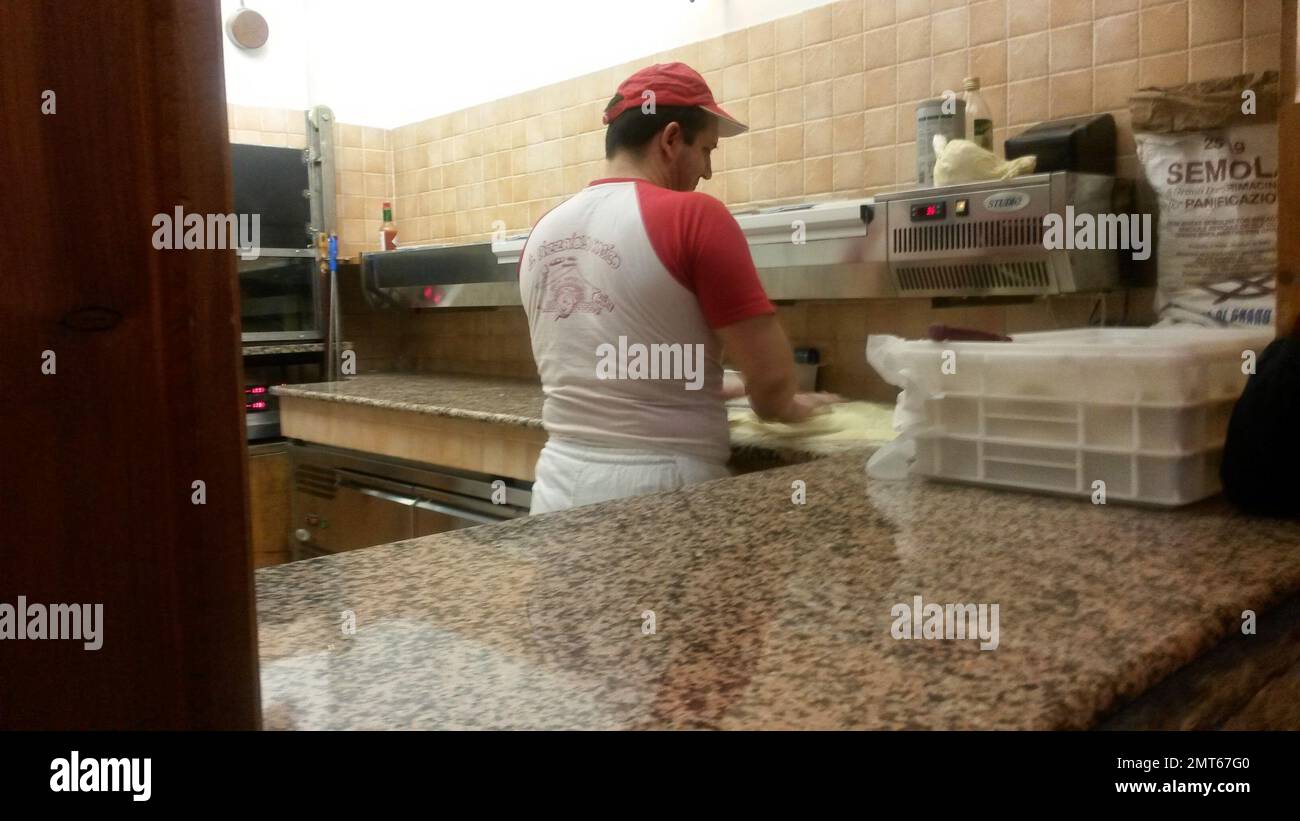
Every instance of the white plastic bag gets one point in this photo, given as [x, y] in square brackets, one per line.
[960, 161]
[893, 460]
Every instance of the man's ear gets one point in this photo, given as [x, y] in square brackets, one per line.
[671, 136]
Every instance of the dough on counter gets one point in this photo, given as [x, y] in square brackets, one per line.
[846, 421]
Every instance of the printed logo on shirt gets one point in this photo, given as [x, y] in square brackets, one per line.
[683, 362]
[606, 251]
[566, 291]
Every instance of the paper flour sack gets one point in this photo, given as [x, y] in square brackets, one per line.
[1209, 151]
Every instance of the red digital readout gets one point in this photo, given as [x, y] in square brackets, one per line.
[258, 405]
[258, 389]
[928, 211]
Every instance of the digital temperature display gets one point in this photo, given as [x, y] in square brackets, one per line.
[928, 211]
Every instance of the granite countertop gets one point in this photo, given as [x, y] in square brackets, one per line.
[289, 347]
[768, 614]
[516, 402]
[485, 398]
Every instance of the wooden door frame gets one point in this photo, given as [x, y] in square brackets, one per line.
[102, 451]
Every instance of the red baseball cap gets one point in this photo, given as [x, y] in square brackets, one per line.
[671, 84]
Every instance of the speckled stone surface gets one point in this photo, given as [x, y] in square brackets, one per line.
[768, 614]
[290, 347]
[767, 453]
[485, 398]
[510, 402]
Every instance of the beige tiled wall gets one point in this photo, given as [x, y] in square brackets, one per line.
[830, 95]
[377, 336]
[363, 158]
[494, 342]
[488, 342]
[839, 330]
[282, 127]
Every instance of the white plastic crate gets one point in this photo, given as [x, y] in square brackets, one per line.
[1145, 410]
[1152, 366]
[1168, 429]
[1155, 479]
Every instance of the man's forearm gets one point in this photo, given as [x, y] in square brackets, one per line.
[773, 399]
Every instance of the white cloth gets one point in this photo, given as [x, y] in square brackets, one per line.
[572, 473]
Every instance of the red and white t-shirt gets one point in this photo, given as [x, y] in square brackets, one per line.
[627, 263]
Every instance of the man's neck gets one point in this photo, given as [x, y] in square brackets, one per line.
[625, 166]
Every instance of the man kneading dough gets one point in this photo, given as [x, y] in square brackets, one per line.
[632, 288]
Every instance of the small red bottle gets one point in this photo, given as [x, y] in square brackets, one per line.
[388, 231]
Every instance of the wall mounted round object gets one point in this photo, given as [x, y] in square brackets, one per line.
[247, 29]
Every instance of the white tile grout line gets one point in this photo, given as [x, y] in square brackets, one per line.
[1092, 52]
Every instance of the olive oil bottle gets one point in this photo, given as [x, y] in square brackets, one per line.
[979, 119]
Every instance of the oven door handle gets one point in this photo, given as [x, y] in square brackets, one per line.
[381, 494]
[374, 488]
[457, 512]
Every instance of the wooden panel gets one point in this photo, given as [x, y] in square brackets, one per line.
[486, 447]
[1288, 210]
[1244, 682]
[268, 506]
[100, 456]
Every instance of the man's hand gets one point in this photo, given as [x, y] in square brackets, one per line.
[733, 387]
[761, 352]
[805, 405]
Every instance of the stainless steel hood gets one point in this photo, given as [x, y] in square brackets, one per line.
[822, 250]
[442, 276]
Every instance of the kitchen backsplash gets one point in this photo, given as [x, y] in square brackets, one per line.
[830, 96]
[495, 342]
